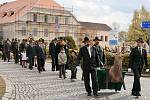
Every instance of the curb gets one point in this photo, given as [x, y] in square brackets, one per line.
[8, 91]
[143, 75]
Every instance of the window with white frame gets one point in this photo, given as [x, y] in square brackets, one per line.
[24, 31]
[34, 17]
[46, 32]
[35, 31]
[46, 19]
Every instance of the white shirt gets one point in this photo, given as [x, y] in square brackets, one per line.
[24, 57]
[140, 49]
[89, 50]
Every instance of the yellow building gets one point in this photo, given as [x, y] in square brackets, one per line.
[92, 30]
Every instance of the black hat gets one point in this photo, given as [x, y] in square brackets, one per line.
[85, 39]
[96, 38]
[61, 38]
[140, 40]
[55, 39]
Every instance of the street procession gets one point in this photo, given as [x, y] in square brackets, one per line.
[51, 52]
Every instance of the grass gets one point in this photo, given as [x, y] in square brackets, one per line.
[2, 87]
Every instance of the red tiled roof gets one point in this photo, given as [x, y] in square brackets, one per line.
[21, 7]
[95, 26]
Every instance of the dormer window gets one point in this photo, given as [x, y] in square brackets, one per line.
[4, 14]
[10, 13]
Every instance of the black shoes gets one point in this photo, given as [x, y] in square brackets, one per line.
[95, 94]
[89, 94]
[136, 94]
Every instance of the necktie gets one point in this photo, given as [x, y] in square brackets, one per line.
[140, 51]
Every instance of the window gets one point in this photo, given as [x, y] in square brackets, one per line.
[66, 20]
[106, 38]
[86, 35]
[46, 32]
[35, 17]
[52, 19]
[46, 19]
[23, 31]
[102, 38]
[56, 19]
[10, 13]
[34, 31]
[4, 14]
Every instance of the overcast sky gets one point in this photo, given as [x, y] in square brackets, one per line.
[104, 11]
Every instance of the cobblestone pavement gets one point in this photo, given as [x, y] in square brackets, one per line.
[25, 84]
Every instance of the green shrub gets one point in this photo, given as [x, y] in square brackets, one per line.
[125, 61]
[70, 42]
[148, 58]
[110, 60]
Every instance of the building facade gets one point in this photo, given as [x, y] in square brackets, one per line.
[46, 19]
[92, 30]
[40, 18]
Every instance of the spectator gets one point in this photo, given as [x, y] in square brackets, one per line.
[62, 60]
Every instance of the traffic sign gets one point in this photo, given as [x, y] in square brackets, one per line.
[113, 42]
[145, 24]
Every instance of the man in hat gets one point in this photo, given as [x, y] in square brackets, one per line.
[137, 58]
[100, 51]
[61, 43]
[90, 60]
[30, 54]
[52, 52]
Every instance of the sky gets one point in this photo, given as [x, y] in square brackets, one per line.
[110, 12]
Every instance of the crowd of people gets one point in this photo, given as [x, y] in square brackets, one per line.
[90, 56]
[26, 51]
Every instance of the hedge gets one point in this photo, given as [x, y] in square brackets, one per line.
[110, 60]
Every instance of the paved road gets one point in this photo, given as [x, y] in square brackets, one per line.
[25, 84]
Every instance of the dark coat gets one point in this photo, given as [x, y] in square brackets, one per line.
[52, 49]
[14, 47]
[137, 60]
[39, 52]
[22, 46]
[30, 51]
[88, 62]
[7, 47]
[100, 54]
[72, 61]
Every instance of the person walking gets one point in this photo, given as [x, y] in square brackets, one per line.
[7, 49]
[24, 59]
[100, 51]
[72, 63]
[52, 52]
[62, 60]
[15, 50]
[90, 59]
[22, 47]
[137, 59]
[40, 56]
[30, 54]
[61, 43]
